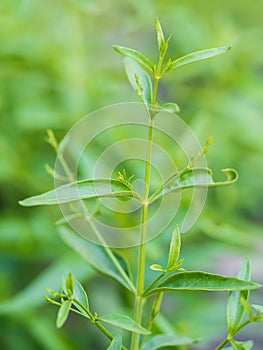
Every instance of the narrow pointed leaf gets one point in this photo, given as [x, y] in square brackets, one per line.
[166, 340]
[134, 55]
[80, 294]
[258, 308]
[63, 313]
[240, 345]
[196, 280]
[85, 189]
[194, 177]
[139, 80]
[94, 254]
[123, 322]
[199, 55]
[235, 310]
[70, 284]
[159, 34]
[157, 267]
[116, 343]
[175, 247]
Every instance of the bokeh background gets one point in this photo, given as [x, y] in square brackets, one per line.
[57, 65]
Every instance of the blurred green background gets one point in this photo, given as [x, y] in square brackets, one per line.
[57, 65]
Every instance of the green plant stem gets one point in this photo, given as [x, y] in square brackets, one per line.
[225, 341]
[143, 235]
[155, 88]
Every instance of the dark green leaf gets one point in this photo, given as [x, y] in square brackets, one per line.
[123, 322]
[196, 280]
[235, 310]
[199, 55]
[116, 343]
[135, 55]
[165, 340]
[84, 189]
[63, 313]
[194, 177]
[94, 254]
[171, 107]
[175, 247]
[139, 79]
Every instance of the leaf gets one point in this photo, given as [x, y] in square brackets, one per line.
[84, 189]
[70, 284]
[175, 247]
[235, 310]
[116, 343]
[80, 294]
[139, 80]
[94, 254]
[171, 107]
[258, 308]
[123, 322]
[193, 177]
[198, 56]
[159, 34]
[63, 313]
[134, 55]
[160, 341]
[157, 267]
[240, 345]
[196, 281]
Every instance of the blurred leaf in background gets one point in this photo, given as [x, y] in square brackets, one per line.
[57, 65]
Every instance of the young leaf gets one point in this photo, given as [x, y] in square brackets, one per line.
[139, 79]
[123, 322]
[116, 343]
[240, 345]
[171, 107]
[175, 247]
[80, 294]
[198, 56]
[235, 310]
[134, 55]
[167, 340]
[193, 177]
[196, 280]
[63, 313]
[157, 267]
[94, 254]
[159, 34]
[84, 189]
[70, 284]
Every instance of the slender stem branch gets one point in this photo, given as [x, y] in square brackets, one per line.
[225, 341]
[153, 283]
[143, 235]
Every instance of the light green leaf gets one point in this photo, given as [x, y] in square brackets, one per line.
[116, 343]
[134, 55]
[240, 345]
[63, 313]
[196, 280]
[258, 308]
[159, 34]
[123, 322]
[94, 254]
[80, 294]
[139, 80]
[84, 189]
[199, 55]
[235, 310]
[193, 177]
[69, 284]
[165, 340]
[175, 247]
[157, 267]
[171, 107]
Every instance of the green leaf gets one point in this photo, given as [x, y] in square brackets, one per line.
[157, 267]
[165, 340]
[139, 80]
[193, 177]
[171, 107]
[198, 56]
[134, 55]
[258, 308]
[84, 189]
[116, 343]
[80, 294]
[235, 310]
[196, 280]
[69, 284]
[123, 322]
[63, 313]
[175, 247]
[94, 254]
[240, 345]
[159, 34]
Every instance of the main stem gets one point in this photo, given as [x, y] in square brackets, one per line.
[143, 235]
